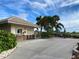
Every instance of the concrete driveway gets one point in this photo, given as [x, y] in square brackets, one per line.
[54, 48]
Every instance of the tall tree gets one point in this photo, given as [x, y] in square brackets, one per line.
[50, 23]
[54, 21]
[42, 21]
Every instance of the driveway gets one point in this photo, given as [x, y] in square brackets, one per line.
[54, 48]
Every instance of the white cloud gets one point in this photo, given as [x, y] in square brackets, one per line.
[69, 2]
[60, 3]
[38, 5]
[71, 25]
[51, 3]
[23, 16]
[35, 12]
[71, 21]
[34, 4]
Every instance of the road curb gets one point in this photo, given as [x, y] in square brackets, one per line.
[5, 54]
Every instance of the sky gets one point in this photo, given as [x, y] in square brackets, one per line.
[67, 10]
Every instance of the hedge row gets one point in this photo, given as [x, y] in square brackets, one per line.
[70, 35]
[65, 35]
[7, 40]
[46, 34]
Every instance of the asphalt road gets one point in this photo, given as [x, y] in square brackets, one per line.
[54, 48]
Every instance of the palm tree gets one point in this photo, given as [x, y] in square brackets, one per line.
[42, 22]
[38, 23]
[49, 23]
[55, 24]
[48, 26]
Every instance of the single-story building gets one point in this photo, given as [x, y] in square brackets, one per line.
[21, 28]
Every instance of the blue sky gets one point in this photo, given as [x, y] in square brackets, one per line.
[68, 10]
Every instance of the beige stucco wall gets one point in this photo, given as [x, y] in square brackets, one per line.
[13, 29]
[28, 30]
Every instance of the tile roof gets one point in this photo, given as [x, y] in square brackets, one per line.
[17, 20]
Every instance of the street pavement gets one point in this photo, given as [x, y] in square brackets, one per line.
[53, 48]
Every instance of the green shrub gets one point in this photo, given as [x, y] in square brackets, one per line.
[7, 40]
[75, 35]
[46, 34]
[67, 35]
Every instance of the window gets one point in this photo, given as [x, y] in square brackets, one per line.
[19, 31]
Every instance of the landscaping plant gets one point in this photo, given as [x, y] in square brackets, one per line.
[7, 40]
